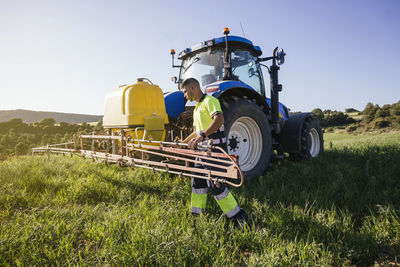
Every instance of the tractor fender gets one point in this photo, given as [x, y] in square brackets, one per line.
[243, 92]
[174, 103]
[290, 135]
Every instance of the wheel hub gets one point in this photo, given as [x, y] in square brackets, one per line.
[233, 143]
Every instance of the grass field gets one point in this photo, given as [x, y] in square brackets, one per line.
[340, 209]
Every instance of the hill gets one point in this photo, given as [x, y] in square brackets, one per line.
[29, 116]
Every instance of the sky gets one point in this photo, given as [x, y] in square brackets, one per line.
[66, 55]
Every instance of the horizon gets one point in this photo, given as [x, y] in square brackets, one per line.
[66, 56]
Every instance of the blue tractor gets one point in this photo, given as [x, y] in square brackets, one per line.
[257, 127]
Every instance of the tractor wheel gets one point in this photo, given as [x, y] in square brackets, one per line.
[248, 135]
[312, 139]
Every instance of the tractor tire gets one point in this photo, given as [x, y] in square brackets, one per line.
[248, 134]
[312, 139]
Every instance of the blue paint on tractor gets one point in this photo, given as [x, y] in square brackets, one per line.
[174, 103]
[256, 50]
[215, 89]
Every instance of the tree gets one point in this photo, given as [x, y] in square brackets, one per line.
[64, 125]
[66, 138]
[350, 110]
[383, 112]
[4, 140]
[318, 113]
[369, 112]
[11, 134]
[45, 139]
[47, 122]
[21, 149]
[395, 110]
[57, 138]
[336, 118]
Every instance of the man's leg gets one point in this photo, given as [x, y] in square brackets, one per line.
[199, 195]
[225, 199]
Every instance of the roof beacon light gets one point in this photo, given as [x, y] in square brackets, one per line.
[172, 57]
[226, 30]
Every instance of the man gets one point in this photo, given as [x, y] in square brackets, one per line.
[208, 123]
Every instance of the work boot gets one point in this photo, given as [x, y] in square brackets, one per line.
[240, 218]
[195, 216]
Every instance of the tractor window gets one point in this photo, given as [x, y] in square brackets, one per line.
[207, 67]
[244, 66]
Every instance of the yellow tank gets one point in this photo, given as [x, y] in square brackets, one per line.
[138, 106]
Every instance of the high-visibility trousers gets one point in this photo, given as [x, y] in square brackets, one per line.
[224, 198]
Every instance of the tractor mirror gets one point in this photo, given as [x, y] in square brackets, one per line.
[174, 79]
[280, 56]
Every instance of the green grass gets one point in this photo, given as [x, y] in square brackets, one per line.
[340, 209]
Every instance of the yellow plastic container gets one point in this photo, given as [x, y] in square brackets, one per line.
[128, 106]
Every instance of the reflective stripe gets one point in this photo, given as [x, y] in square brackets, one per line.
[233, 212]
[222, 195]
[199, 190]
[227, 204]
[196, 210]
[215, 141]
[199, 200]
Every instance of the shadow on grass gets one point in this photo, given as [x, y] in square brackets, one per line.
[356, 180]
[351, 183]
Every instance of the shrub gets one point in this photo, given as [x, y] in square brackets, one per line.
[369, 112]
[351, 128]
[381, 123]
[337, 118]
[318, 113]
[395, 110]
[383, 112]
[21, 149]
[350, 110]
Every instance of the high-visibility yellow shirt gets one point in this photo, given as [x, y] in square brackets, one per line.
[207, 107]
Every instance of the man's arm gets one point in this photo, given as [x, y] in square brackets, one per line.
[190, 137]
[217, 122]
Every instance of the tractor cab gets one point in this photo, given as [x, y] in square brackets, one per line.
[205, 62]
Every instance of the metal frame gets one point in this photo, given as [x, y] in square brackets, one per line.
[172, 157]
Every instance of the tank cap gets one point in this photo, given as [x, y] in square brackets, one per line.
[143, 79]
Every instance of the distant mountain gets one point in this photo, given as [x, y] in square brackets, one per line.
[29, 116]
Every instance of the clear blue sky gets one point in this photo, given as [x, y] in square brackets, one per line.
[65, 55]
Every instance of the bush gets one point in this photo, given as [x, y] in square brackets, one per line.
[318, 114]
[369, 112]
[381, 123]
[395, 110]
[383, 112]
[336, 118]
[351, 128]
[350, 110]
[21, 149]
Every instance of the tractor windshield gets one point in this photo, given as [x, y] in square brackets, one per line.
[208, 67]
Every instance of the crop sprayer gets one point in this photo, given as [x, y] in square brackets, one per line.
[144, 126]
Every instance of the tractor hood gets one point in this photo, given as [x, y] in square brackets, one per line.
[233, 41]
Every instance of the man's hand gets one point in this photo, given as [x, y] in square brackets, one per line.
[194, 141]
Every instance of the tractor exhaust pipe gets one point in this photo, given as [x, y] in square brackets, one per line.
[275, 89]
